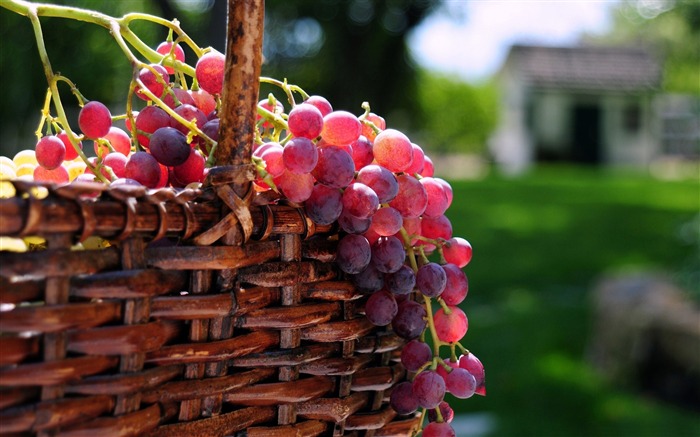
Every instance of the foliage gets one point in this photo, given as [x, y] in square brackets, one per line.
[459, 116]
[543, 240]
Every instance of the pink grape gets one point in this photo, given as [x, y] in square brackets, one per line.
[402, 399]
[457, 251]
[334, 168]
[441, 369]
[401, 281]
[388, 254]
[381, 307]
[274, 160]
[209, 72]
[154, 82]
[431, 279]
[410, 320]
[473, 365]
[378, 122]
[305, 120]
[381, 180]
[428, 167]
[117, 162]
[445, 410]
[150, 119]
[369, 279]
[360, 201]
[321, 104]
[429, 389]
[341, 127]
[278, 109]
[94, 119]
[191, 170]
[460, 383]
[203, 100]
[437, 198]
[414, 354]
[166, 48]
[438, 429]
[361, 152]
[448, 190]
[50, 152]
[418, 161]
[169, 146]
[412, 198]
[189, 113]
[300, 155]
[58, 175]
[183, 98]
[296, 187]
[451, 327]
[386, 221]
[324, 205]
[71, 153]
[120, 141]
[457, 285]
[392, 150]
[144, 168]
[436, 227]
[353, 253]
[412, 225]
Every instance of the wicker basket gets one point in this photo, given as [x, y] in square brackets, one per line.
[214, 311]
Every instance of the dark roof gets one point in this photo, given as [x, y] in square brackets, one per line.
[587, 67]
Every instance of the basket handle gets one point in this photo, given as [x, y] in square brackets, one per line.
[241, 82]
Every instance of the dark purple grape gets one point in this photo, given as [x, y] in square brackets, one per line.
[353, 225]
[402, 399]
[144, 168]
[431, 279]
[388, 254]
[369, 280]
[169, 146]
[381, 180]
[410, 320]
[381, 307]
[353, 253]
[334, 168]
[414, 354]
[429, 388]
[401, 281]
[324, 205]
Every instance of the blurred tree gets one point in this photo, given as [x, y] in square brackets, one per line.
[672, 27]
[459, 116]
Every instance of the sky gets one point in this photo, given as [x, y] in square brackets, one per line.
[470, 38]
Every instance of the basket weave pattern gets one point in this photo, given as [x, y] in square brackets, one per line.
[184, 339]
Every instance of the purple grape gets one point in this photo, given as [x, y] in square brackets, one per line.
[431, 279]
[401, 281]
[381, 180]
[414, 354]
[388, 254]
[429, 388]
[381, 307]
[460, 383]
[169, 146]
[402, 399]
[410, 320]
[324, 205]
[369, 280]
[353, 253]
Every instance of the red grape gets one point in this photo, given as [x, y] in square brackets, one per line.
[457, 285]
[445, 410]
[183, 98]
[460, 383]
[155, 82]
[296, 187]
[120, 141]
[300, 155]
[381, 180]
[189, 113]
[388, 254]
[431, 279]
[428, 167]
[457, 251]
[360, 201]
[305, 120]
[203, 100]
[437, 198]
[191, 170]
[94, 119]
[117, 162]
[392, 149]
[353, 225]
[438, 429]
[418, 161]
[150, 119]
[324, 205]
[50, 152]
[144, 168]
[361, 152]
[473, 365]
[167, 49]
[369, 279]
[321, 104]
[412, 199]
[71, 153]
[341, 127]
[401, 281]
[386, 221]
[451, 327]
[209, 72]
[334, 168]
[58, 175]
[378, 121]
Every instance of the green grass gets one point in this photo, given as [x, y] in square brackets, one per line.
[540, 244]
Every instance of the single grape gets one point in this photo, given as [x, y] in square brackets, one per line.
[412, 198]
[401, 281]
[402, 399]
[369, 280]
[428, 167]
[117, 162]
[361, 152]
[26, 156]
[210, 129]
[353, 253]
[429, 388]
[360, 201]
[414, 354]
[267, 104]
[300, 155]
[438, 429]
[150, 119]
[473, 365]
[341, 127]
[50, 152]
[457, 251]
[58, 175]
[296, 187]
[164, 176]
[119, 140]
[418, 161]
[353, 225]
[381, 180]
[334, 168]
[437, 198]
[209, 72]
[445, 410]
[410, 320]
[321, 103]
[381, 307]
[189, 113]
[388, 254]
[457, 285]
[155, 79]
[451, 327]
[448, 190]
[412, 226]
[368, 131]
[203, 100]
[460, 383]
[305, 120]
[175, 97]
[441, 369]
[94, 119]
[144, 168]
[431, 279]
[324, 205]
[71, 153]
[392, 150]
[436, 227]
[386, 221]
[192, 170]
[171, 51]
[169, 146]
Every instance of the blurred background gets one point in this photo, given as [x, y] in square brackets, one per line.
[569, 132]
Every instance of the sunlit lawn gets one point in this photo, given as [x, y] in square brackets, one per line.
[540, 244]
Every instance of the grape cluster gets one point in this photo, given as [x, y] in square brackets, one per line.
[395, 242]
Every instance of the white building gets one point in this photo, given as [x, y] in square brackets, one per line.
[592, 105]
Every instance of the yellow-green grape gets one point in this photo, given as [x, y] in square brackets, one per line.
[94, 242]
[12, 244]
[4, 160]
[7, 190]
[26, 170]
[7, 172]
[75, 169]
[25, 157]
